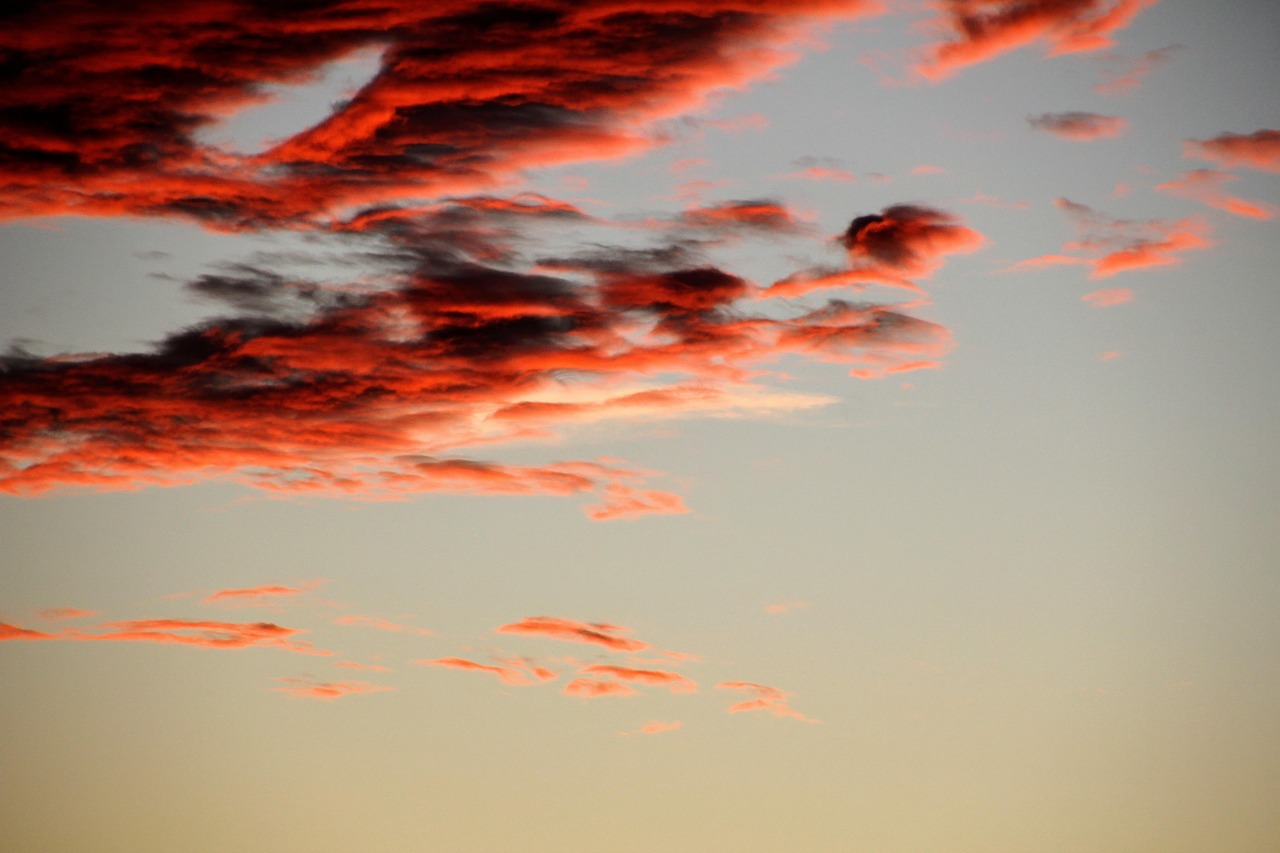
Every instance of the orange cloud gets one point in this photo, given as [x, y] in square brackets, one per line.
[380, 624]
[204, 633]
[509, 675]
[927, 169]
[1111, 246]
[327, 690]
[594, 688]
[1078, 126]
[60, 613]
[1108, 297]
[822, 173]
[768, 699]
[1205, 186]
[259, 594]
[596, 633]
[371, 667]
[984, 29]
[654, 727]
[1257, 150]
[13, 632]
[786, 606]
[673, 681]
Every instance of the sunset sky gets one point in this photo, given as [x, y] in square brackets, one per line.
[640, 425]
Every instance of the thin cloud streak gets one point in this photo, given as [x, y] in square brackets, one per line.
[1079, 126]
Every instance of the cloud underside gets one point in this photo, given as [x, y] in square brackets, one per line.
[460, 321]
[1078, 126]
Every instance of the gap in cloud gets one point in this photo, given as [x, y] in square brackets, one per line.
[286, 109]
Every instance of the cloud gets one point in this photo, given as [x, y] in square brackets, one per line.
[447, 332]
[259, 595]
[768, 699]
[205, 634]
[1257, 150]
[380, 624]
[13, 632]
[927, 169]
[1078, 126]
[1130, 75]
[596, 633]
[822, 174]
[61, 613]
[786, 606]
[594, 688]
[981, 30]
[508, 674]
[1205, 186]
[902, 242]
[673, 681]
[371, 667]
[1111, 246]
[654, 727]
[1109, 296]
[468, 94]
[327, 690]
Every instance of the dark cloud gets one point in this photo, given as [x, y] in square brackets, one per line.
[1078, 126]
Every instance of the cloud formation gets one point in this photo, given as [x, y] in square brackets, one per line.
[1205, 186]
[980, 30]
[1078, 126]
[259, 595]
[1110, 246]
[1131, 74]
[673, 681]
[1108, 297]
[1257, 150]
[468, 94]
[596, 633]
[380, 624]
[768, 699]
[327, 691]
[508, 674]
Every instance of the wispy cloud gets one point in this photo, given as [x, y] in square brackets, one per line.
[654, 727]
[980, 30]
[673, 681]
[380, 624]
[508, 674]
[327, 690]
[260, 595]
[1110, 246]
[596, 633]
[768, 699]
[1127, 76]
[1078, 126]
[61, 613]
[1108, 297]
[1205, 186]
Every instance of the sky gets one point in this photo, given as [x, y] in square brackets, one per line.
[692, 425]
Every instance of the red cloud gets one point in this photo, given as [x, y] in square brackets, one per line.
[13, 632]
[1257, 150]
[380, 624]
[673, 681]
[468, 93]
[597, 633]
[984, 29]
[327, 690]
[509, 675]
[593, 688]
[259, 594]
[1113, 246]
[455, 333]
[1077, 126]
[768, 699]
[1205, 185]
[1108, 297]
[903, 242]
